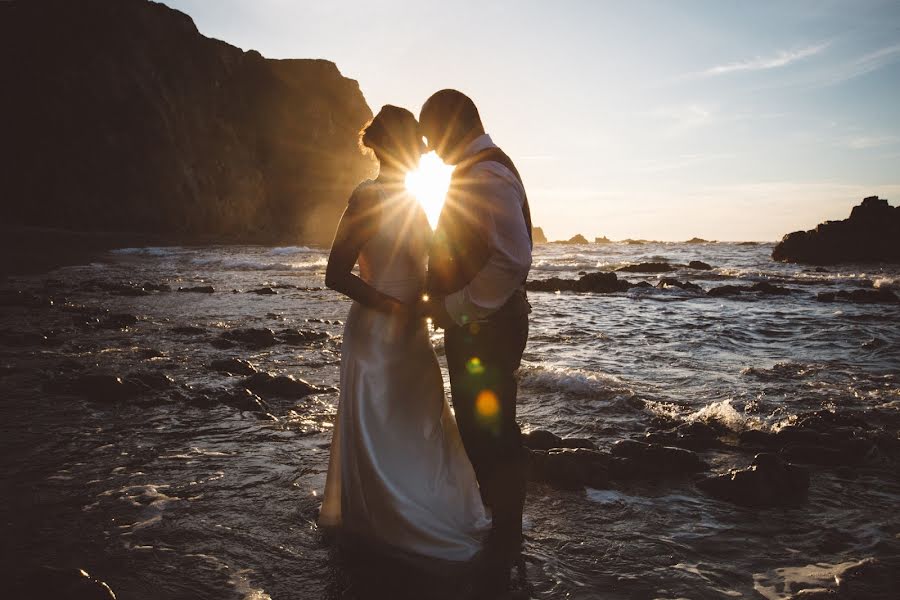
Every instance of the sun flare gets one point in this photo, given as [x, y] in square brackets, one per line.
[429, 183]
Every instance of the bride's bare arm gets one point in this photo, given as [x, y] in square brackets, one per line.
[357, 226]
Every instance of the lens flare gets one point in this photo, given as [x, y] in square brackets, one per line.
[474, 366]
[487, 405]
[429, 184]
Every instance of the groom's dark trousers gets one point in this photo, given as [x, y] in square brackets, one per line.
[482, 358]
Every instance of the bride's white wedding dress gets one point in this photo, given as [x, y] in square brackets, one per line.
[398, 472]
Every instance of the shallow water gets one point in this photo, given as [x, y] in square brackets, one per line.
[163, 499]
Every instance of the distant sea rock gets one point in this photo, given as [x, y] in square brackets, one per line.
[577, 239]
[602, 240]
[120, 116]
[696, 240]
[871, 234]
[538, 236]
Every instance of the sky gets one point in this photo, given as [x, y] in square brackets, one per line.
[632, 119]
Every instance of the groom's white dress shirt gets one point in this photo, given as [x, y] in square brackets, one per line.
[506, 233]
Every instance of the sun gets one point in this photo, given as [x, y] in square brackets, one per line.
[429, 183]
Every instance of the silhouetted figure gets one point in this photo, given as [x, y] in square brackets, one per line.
[478, 265]
[398, 475]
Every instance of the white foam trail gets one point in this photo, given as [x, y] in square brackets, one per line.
[723, 412]
[283, 250]
[243, 264]
[148, 251]
[575, 381]
[890, 283]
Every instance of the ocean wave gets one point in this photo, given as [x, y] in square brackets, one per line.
[244, 264]
[724, 413]
[574, 381]
[148, 251]
[286, 250]
[551, 265]
[889, 283]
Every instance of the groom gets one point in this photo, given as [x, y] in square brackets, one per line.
[476, 282]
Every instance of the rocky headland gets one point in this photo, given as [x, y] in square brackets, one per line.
[870, 234]
[121, 116]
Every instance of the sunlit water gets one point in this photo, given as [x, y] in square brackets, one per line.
[165, 500]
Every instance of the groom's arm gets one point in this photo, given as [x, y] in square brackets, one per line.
[507, 236]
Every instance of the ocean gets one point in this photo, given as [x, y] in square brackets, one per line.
[164, 490]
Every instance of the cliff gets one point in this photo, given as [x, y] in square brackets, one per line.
[119, 115]
[871, 234]
[537, 234]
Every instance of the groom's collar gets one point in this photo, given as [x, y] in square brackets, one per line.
[482, 142]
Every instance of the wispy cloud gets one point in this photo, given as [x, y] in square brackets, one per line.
[864, 64]
[761, 63]
[864, 142]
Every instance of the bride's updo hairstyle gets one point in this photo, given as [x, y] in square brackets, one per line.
[393, 136]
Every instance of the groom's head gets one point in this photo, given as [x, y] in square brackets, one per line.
[450, 121]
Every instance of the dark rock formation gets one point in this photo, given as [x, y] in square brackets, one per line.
[878, 296]
[650, 267]
[576, 239]
[667, 282]
[199, 289]
[570, 468]
[603, 283]
[691, 436]
[602, 240]
[537, 234]
[541, 439]
[121, 116]
[642, 460]
[696, 240]
[260, 337]
[768, 481]
[280, 385]
[233, 366]
[699, 265]
[871, 234]
[762, 287]
[300, 336]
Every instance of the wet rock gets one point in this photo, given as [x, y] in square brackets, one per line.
[879, 296]
[600, 283]
[870, 578]
[570, 468]
[118, 321]
[695, 436]
[233, 366]
[641, 460]
[244, 399]
[667, 282]
[762, 287]
[263, 291]
[699, 265]
[869, 235]
[299, 336]
[68, 584]
[648, 267]
[256, 337]
[540, 439]
[157, 287]
[188, 330]
[768, 481]
[151, 380]
[200, 289]
[280, 385]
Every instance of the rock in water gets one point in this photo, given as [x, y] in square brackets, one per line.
[871, 234]
[280, 385]
[125, 117]
[537, 234]
[768, 481]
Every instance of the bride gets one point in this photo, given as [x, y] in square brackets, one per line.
[398, 474]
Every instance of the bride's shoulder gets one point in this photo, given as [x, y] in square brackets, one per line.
[365, 194]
